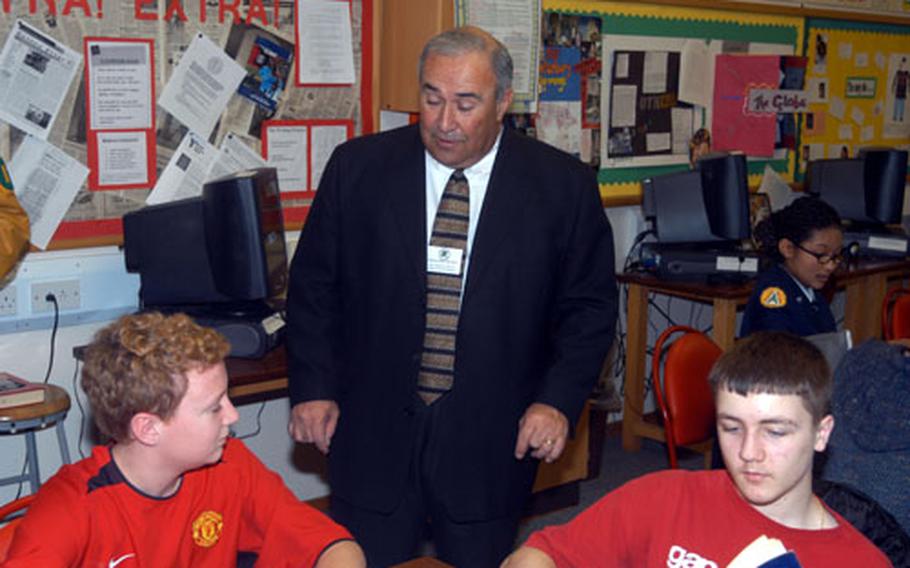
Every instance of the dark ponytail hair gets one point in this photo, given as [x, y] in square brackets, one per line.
[795, 222]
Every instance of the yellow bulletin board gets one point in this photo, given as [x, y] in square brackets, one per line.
[851, 77]
[620, 185]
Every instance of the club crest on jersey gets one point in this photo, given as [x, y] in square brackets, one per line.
[773, 297]
[207, 528]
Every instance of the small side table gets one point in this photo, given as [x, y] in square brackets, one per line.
[29, 419]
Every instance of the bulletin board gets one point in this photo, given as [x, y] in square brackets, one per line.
[666, 23]
[239, 28]
[853, 80]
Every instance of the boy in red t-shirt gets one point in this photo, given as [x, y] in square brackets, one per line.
[173, 489]
[772, 393]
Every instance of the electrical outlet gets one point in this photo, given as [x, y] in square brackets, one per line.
[66, 292]
[8, 305]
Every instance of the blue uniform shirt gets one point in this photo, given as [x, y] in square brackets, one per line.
[778, 303]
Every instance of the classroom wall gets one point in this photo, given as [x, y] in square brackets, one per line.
[303, 469]
[26, 353]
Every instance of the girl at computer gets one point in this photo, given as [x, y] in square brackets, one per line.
[804, 242]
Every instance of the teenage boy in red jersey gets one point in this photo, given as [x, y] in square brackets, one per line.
[772, 392]
[173, 489]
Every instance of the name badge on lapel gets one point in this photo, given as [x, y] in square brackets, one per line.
[444, 260]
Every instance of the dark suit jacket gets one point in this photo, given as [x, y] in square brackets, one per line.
[799, 316]
[538, 316]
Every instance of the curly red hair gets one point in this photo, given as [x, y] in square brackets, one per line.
[139, 364]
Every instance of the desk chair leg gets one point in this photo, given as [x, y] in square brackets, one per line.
[61, 441]
[31, 454]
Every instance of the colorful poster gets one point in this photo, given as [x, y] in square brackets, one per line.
[559, 80]
[267, 71]
[735, 127]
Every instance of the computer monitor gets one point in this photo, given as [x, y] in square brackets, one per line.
[724, 180]
[224, 250]
[675, 205]
[839, 183]
[867, 190]
[709, 204]
[885, 176]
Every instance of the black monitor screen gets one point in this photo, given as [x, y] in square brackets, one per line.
[675, 204]
[705, 205]
[226, 246]
[726, 193]
[840, 184]
[885, 176]
[245, 234]
[867, 190]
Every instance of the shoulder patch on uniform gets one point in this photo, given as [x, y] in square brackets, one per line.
[773, 297]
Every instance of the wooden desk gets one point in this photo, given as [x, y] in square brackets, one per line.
[256, 380]
[865, 283]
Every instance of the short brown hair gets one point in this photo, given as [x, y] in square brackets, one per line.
[776, 362]
[138, 364]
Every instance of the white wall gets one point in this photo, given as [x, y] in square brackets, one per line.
[25, 353]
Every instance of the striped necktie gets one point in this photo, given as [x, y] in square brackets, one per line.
[450, 230]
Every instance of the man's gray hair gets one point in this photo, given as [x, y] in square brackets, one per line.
[460, 41]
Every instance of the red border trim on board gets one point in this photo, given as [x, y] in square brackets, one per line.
[309, 123]
[88, 229]
[296, 214]
[92, 134]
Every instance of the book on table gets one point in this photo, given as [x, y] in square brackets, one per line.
[15, 391]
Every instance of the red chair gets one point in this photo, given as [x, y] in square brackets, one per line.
[7, 530]
[683, 394]
[896, 314]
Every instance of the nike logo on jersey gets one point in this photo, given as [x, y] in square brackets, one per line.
[114, 562]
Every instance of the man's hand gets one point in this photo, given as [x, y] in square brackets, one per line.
[527, 557]
[544, 430]
[314, 422]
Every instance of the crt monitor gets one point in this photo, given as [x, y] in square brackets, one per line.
[708, 204]
[866, 190]
[726, 192]
[225, 248]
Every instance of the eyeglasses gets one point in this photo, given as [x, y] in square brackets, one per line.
[823, 258]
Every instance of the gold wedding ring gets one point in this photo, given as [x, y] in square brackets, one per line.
[548, 442]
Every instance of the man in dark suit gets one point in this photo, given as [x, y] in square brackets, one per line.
[427, 423]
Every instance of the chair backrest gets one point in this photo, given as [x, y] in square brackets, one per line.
[682, 389]
[7, 530]
[896, 314]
